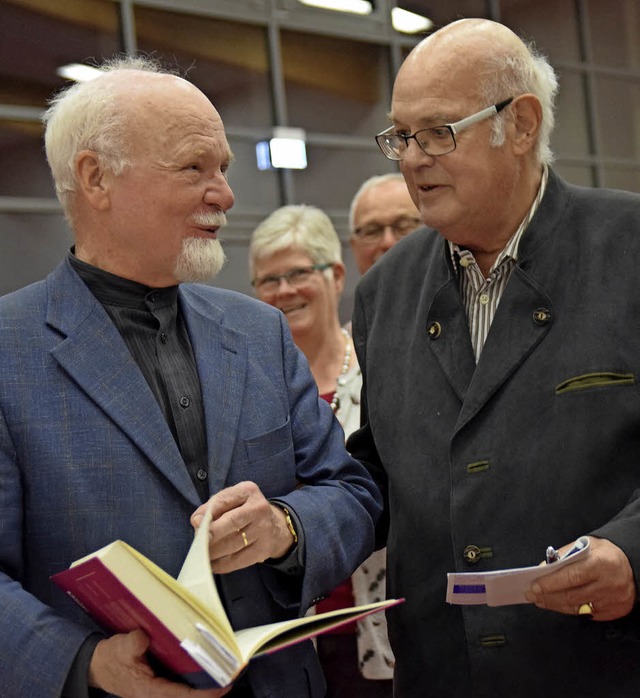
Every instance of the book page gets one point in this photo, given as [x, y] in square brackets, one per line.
[274, 636]
[196, 575]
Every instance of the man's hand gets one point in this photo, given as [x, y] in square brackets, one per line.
[604, 579]
[245, 528]
[119, 666]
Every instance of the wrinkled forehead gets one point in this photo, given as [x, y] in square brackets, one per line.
[167, 111]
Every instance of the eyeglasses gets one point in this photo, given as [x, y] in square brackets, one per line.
[372, 233]
[297, 278]
[438, 140]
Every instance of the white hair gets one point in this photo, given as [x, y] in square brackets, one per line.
[302, 227]
[89, 116]
[370, 183]
[510, 75]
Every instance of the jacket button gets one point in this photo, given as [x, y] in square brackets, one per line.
[434, 329]
[471, 554]
[541, 316]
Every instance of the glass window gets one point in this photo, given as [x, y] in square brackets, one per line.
[32, 245]
[228, 61]
[618, 112]
[576, 174]
[335, 85]
[23, 170]
[622, 178]
[254, 189]
[570, 135]
[441, 13]
[615, 28]
[33, 44]
[550, 24]
[335, 174]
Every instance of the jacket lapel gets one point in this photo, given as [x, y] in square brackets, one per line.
[449, 337]
[221, 357]
[94, 354]
[523, 318]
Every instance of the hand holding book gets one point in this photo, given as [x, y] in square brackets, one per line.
[185, 620]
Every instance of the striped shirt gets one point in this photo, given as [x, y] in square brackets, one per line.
[481, 295]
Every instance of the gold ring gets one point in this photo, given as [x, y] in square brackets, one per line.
[586, 609]
[245, 540]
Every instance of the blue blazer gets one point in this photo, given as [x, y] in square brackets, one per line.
[86, 457]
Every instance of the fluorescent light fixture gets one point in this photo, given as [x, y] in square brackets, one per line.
[409, 22]
[358, 7]
[78, 72]
[285, 150]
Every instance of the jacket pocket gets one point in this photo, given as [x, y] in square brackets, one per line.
[595, 380]
[270, 444]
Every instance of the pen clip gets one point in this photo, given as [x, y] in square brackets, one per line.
[551, 555]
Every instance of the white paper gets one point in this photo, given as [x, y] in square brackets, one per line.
[505, 587]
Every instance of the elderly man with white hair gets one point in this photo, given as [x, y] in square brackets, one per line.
[130, 399]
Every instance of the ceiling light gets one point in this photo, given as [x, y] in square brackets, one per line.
[287, 149]
[409, 22]
[358, 7]
[78, 72]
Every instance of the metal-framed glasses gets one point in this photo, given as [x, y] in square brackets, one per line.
[371, 233]
[437, 140]
[298, 277]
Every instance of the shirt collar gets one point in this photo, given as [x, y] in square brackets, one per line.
[114, 290]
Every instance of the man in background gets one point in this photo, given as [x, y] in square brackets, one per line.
[382, 212]
[130, 397]
[500, 351]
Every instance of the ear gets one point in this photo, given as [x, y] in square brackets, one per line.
[527, 119]
[91, 180]
[339, 276]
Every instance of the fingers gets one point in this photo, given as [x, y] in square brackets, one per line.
[603, 579]
[225, 501]
[119, 667]
[241, 530]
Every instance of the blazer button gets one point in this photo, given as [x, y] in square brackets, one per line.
[472, 554]
[434, 329]
[541, 316]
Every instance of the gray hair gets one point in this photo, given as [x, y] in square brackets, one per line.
[302, 227]
[370, 183]
[88, 116]
[515, 74]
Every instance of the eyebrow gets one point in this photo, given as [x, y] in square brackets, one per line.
[436, 120]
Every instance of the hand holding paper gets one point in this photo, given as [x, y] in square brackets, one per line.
[505, 587]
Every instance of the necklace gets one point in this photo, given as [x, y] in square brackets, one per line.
[335, 400]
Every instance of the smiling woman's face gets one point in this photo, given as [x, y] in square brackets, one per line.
[311, 304]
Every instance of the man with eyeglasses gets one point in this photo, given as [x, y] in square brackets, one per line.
[382, 212]
[500, 350]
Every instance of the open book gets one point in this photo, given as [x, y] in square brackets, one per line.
[185, 620]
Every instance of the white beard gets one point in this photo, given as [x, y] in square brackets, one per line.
[199, 260]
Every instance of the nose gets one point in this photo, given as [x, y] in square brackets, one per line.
[219, 193]
[388, 239]
[414, 156]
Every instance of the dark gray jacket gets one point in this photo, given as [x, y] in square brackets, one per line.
[508, 456]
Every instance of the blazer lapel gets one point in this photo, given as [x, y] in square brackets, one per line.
[221, 357]
[94, 354]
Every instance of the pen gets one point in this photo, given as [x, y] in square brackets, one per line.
[581, 543]
[551, 555]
